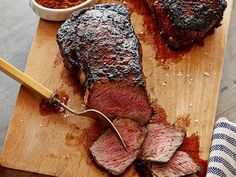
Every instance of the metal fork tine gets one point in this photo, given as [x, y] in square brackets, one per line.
[102, 116]
[48, 94]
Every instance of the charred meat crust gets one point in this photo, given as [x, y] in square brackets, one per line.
[184, 22]
[99, 45]
[193, 15]
[143, 168]
[100, 42]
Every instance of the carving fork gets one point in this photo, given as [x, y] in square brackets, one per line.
[51, 96]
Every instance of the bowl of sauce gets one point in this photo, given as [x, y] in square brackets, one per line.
[58, 10]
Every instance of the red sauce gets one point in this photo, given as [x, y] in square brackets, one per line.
[46, 108]
[191, 146]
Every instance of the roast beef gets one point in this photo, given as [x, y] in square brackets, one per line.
[100, 46]
[161, 142]
[181, 164]
[183, 22]
[108, 151]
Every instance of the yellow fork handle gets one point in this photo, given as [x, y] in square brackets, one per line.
[24, 79]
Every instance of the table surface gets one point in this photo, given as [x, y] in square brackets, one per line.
[18, 25]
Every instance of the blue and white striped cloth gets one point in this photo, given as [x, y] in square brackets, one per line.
[222, 161]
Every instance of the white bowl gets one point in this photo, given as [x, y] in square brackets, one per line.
[57, 14]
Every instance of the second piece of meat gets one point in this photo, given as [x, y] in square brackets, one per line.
[100, 46]
[161, 142]
[183, 22]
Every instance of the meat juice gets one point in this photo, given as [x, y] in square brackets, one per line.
[151, 34]
[164, 54]
[47, 108]
[191, 146]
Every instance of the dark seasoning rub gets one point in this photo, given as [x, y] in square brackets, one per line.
[100, 46]
[198, 15]
[46, 108]
[151, 35]
[184, 22]
[116, 39]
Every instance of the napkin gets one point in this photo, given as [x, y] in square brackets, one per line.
[222, 160]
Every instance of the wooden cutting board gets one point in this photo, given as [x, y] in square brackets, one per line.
[57, 146]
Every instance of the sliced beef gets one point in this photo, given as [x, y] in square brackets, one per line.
[161, 142]
[183, 22]
[108, 151]
[100, 46]
[181, 164]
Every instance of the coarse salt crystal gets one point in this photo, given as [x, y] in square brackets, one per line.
[66, 115]
[196, 121]
[179, 74]
[206, 74]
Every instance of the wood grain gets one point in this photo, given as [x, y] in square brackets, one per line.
[6, 172]
[56, 146]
